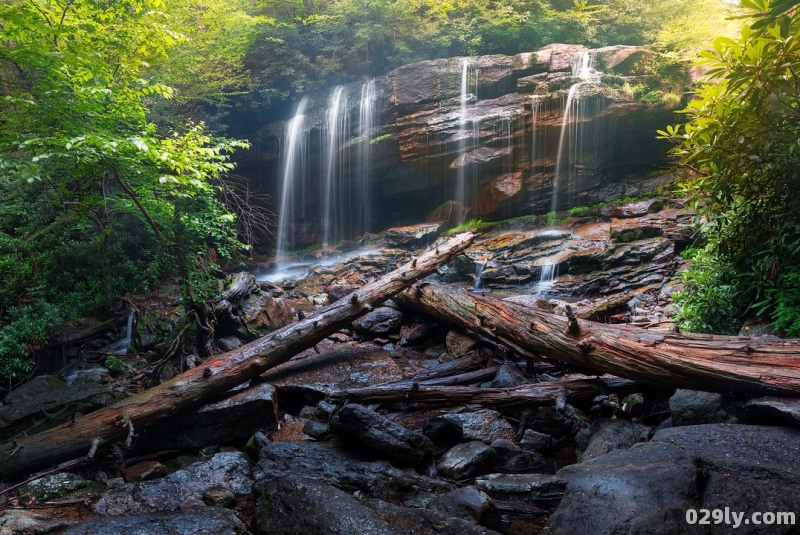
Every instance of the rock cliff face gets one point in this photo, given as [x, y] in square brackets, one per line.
[502, 140]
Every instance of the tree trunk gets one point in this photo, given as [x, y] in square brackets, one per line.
[757, 365]
[215, 376]
[546, 393]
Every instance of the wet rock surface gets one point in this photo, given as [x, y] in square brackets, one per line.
[369, 429]
[745, 468]
[199, 521]
[690, 407]
[644, 490]
[233, 418]
[231, 470]
[606, 435]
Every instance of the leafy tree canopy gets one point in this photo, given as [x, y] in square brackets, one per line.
[743, 141]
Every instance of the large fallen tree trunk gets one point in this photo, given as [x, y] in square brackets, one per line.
[215, 376]
[702, 362]
[546, 393]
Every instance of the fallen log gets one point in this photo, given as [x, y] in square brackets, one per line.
[756, 365]
[547, 393]
[215, 376]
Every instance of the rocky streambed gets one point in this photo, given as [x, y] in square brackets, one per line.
[291, 452]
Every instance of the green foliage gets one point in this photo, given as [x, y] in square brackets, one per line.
[472, 224]
[742, 139]
[26, 329]
[577, 211]
[707, 300]
[316, 44]
[96, 201]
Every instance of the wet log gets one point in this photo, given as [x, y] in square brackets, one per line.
[215, 376]
[755, 365]
[547, 393]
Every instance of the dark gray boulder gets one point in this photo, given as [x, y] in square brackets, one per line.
[368, 428]
[347, 471]
[608, 435]
[233, 418]
[197, 521]
[232, 470]
[467, 460]
[379, 322]
[745, 467]
[691, 407]
[644, 490]
[293, 505]
[471, 504]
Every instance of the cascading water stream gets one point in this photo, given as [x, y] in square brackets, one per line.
[461, 178]
[478, 283]
[547, 276]
[582, 68]
[333, 205]
[293, 171]
[367, 121]
[124, 336]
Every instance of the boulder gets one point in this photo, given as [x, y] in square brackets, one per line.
[623, 60]
[508, 376]
[443, 432]
[486, 425]
[232, 470]
[53, 487]
[467, 460]
[524, 489]
[233, 418]
[32, 522]
[297, 505]
[199, 520]
[469, 503]
[25, 408]
[459, 344]
[369, 429]
[263, 313]
[744, 467]
[380, 322]
[784, 410]
[690, 407]
[644, 490]
[535, 441]
[346, 470]
[608, 435]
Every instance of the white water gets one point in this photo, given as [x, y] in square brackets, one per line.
[124, 336]
[293, 171]
[367, 121]
[571, 129]
[547, 277]
[333, 205]
[461, 177]
[478, 276]
[300, 269]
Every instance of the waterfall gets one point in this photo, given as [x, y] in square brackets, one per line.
[293, 171]
[478, 276]
[461, 178]
[333, 195]
[124, 336]
[569, 141]
[367, 122]
[547, 276]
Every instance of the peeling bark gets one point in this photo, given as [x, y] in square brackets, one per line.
[215, 376]
[755, 365]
